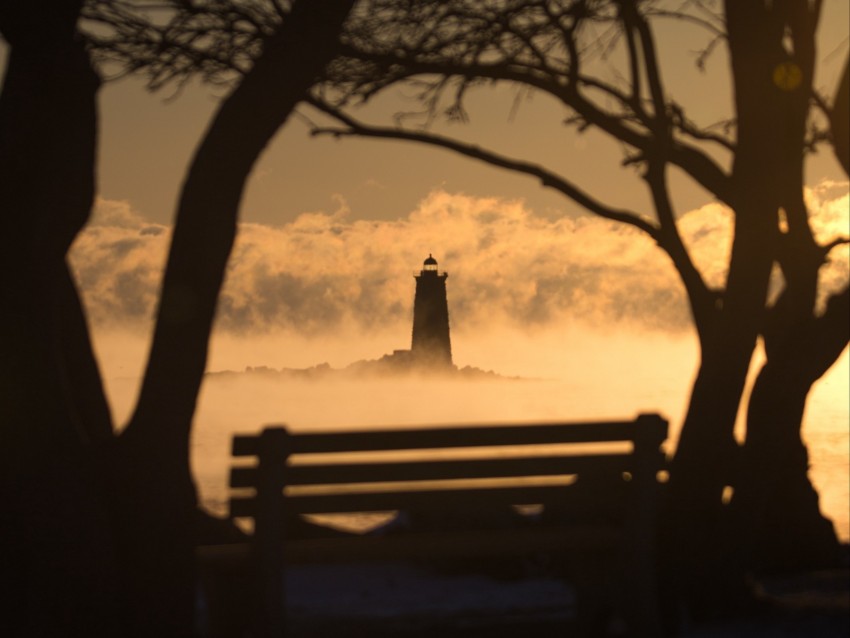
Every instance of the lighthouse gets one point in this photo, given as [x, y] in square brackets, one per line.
[431, 344]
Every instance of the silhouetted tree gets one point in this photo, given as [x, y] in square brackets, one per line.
[443, 50]
[51, 522]
[774, 499]
[94, 521]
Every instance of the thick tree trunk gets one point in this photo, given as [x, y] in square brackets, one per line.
[775, 505]
[700, 471]
[56, 549]
[157, 507]
[703, 462]
[773, 485]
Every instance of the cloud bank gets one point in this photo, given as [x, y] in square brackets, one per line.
[325, 271]
[539, 298]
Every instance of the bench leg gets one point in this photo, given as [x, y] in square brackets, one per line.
[640, 601]
[590, 575]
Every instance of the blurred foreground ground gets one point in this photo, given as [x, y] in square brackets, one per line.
[396, 601]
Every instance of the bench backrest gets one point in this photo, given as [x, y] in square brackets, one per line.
[320, 472]
[325, 472]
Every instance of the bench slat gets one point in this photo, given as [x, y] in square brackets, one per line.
[456, 469]
[337, 473]
[436, 499]
[647, 426]
[466, 436]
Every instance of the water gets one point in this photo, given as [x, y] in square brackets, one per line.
[246, 402]
[570, 375]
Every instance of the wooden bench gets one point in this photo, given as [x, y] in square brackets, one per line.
[595, 502]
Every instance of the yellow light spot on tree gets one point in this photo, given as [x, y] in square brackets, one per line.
[783, 221]
[787, 76]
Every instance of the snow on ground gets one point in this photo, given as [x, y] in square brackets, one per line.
[453, 601]
[381, 591]
[404, 600]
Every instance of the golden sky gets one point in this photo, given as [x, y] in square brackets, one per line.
[332, 230]
[147, 141]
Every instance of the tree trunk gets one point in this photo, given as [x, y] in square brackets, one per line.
[700, 471]
[773, 485]
[775, 506]
[57, 560]
[157, 508]
[703, 462]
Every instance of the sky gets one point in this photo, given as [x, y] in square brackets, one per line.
[332, 231]
[147, 141]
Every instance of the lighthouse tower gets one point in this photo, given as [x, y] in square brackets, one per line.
[431, 344]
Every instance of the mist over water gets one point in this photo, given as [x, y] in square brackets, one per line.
[589, 315]
[573, 373]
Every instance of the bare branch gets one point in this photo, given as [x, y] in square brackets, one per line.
[634, 69]
[353, 127]
[633, 20]
[701, 298]
[619, 125]
[705, 53]
[682, 124]
[171, 41]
